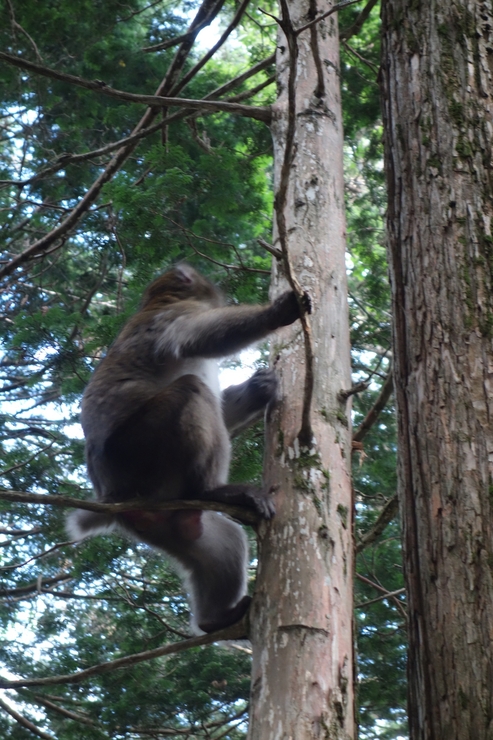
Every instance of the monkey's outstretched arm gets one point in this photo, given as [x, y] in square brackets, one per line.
[218, 332]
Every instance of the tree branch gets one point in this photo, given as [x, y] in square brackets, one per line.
[333, 9]
[190, 35]
[155, 101]
[388, 512]
[60, 232]
[35, 586]
[65, 159]
[249, 516]
[24, 722]
[202, 62]
[347, 33]
[236, 631]
[374, 413]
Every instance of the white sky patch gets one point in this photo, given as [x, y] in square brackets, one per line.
[235, 375]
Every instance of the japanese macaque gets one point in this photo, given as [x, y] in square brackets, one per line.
[158, 428]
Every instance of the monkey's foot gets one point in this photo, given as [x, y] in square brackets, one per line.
[243, 494]
[231, 616]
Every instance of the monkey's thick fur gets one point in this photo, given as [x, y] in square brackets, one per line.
[157, 427]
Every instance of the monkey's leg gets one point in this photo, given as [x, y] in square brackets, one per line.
[213, 551]
[217, 565]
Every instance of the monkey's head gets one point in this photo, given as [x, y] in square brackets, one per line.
[181, 283]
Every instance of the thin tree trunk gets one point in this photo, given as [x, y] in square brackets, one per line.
[302, 614]
[437, 103]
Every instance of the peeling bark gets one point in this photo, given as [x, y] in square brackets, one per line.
[302, 684]
[437, 68]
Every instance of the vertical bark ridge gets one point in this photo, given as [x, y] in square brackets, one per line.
[437, 106]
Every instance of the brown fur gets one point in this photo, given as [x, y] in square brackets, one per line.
[157, 427]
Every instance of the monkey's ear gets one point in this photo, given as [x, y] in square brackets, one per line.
[185, 273]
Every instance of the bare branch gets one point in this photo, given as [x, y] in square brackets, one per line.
[387, 594]
[219, 91]
[35, 586]
[356, 388]
[380, 598]
[347, 33]
[388, 512]
[333, 9]
[248, 516]
[237, 631]
[362, 59]
[155, 101]
[190, 35]
[374, 413]
[65, 159]
[24, 721]
[277, 253]
[64, 712]
[197, 67]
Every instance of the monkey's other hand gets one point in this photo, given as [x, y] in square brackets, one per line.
[286, 308]
[264, 386]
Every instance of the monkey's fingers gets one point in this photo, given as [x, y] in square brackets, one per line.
[306, 302]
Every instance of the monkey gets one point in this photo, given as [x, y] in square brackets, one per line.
[158, 428]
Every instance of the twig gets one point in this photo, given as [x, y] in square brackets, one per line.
[235, 632]
[386, 515]
[362, 59]
[388, 594]
[305, 435]
[17, 25]
[380, 598]
[356, 388]
[379, 405]
[238, 512]
[333, 9]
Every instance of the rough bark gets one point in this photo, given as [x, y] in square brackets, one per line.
[437, 104]
[302, 613]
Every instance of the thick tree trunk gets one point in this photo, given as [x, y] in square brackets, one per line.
[437, 103]
[302, 614]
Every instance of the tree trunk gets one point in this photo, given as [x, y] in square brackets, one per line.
[437, 103]
[302, 683]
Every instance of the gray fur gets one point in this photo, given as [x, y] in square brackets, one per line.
[157, 427]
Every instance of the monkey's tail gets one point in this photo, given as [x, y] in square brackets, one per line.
[81, 523]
